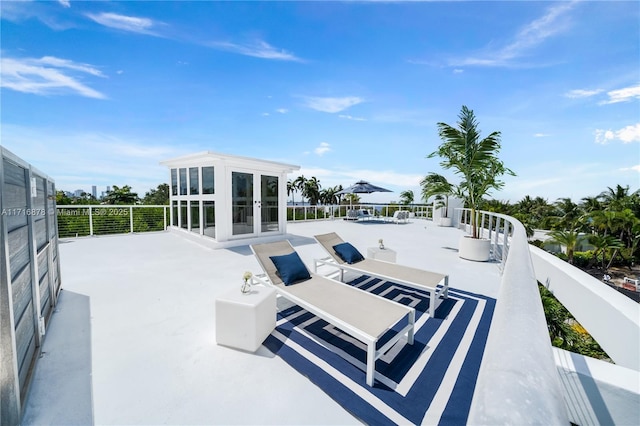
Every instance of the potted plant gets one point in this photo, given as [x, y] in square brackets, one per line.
[436, 185]
[476, 161]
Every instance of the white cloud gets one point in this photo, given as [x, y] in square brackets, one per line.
[46, 76]
[635, 168]
[541, 135]
[282, 110]
[623, 95]
[265, 114]
[529, 37]
[79, 160]
[256, 49]
[65, 3]
[322, 149]
[349, 117]
[458, 71]
[627, 134]
[123, 22]
[332, 105]
[582, 93]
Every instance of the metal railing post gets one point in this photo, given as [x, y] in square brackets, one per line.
[90, 221]
[131, 219]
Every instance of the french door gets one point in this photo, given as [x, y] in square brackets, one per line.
[254, 203]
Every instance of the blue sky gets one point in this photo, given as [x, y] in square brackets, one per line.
[98, 93]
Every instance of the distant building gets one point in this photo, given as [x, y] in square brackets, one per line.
[78, 193]
[94, 191]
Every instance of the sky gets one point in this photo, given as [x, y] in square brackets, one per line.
[98, 93]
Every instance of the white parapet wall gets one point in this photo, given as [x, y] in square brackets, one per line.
[609, 316]
[518, 382]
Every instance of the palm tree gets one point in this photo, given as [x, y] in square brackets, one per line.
[329, 195]
[299, 184]
[406, 197]
[311, 190]
[567, 214]
[602, 244]
[291, 190]
[569, 239]
[434, 184]
[616, 199]
[475, 160]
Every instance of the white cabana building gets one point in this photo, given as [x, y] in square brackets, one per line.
[227, 197]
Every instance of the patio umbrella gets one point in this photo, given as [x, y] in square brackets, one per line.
[362, 187]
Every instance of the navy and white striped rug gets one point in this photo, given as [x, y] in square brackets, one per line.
[429, 382]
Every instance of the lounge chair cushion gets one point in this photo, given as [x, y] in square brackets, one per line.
[290, 268]
[348, 253]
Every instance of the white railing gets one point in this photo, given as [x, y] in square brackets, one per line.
[335, 211]
[611, 318]
[495, 227]
[518, 382]
[89, 220]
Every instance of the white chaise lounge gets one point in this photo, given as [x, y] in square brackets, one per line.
[362, 315]
[436, 284]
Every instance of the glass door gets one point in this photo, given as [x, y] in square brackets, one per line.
[242, 205]
[268, 203]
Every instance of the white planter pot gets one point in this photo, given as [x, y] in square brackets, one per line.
[476, 249]
[446, 221]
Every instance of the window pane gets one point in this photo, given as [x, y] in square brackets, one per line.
[183, 215]
[269, 203]
[242, 203]
[174, 182]
[175, 214]
[183, 181]
[207, 180]
[209, 216]
[195, 216]
[193, 181]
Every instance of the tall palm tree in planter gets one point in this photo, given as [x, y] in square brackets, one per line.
[476, 161]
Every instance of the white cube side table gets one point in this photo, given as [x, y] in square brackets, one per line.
[385, 254]
[243, 321]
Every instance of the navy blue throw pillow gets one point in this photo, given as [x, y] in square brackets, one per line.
[348, 253]
[290, 268]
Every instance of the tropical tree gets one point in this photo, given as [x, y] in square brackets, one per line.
[569, 239]
[299, 184]
[122, 195]
[351, 199]
[158, 196]
[330, 195]
[561, 332]
[311, 190]
[291, 190]
[474, 159]
[567, 214]
[603, 243]
[437, 185]
[406, 197]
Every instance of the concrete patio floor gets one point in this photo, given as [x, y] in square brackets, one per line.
[132, 340]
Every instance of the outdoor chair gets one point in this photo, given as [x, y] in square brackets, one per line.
[436, 284]
[399, 216]
[364, 316]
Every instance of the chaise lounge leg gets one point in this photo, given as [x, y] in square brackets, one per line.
[371, 363]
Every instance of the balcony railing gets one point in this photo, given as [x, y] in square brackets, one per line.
[518, 382]
[321, 212]
[88, 220]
